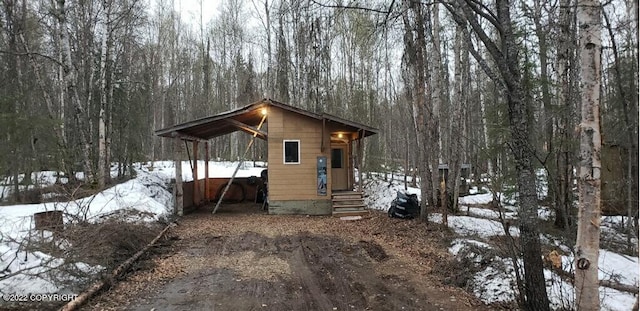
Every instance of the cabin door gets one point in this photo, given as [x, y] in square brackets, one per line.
[339, 167]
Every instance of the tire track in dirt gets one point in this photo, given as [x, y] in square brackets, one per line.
[250, 262]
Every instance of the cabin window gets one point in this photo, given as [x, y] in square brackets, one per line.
[291, 151]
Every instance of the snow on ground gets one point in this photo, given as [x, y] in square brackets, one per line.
[612, 232]
[476, 199]
[495, 282]
[40, 180]
[148, 194]
[612, 266]
[473, 226]
[147, 197]
[458, 244]
[487, 213]
[379, 193]
[216, 169]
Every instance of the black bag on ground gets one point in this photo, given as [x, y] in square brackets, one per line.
[405, 205]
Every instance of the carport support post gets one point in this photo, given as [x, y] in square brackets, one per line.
[179, 191]
[206, 171]
[196, 185]
[360, 161]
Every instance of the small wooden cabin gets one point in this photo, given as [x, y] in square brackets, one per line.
[312, 158]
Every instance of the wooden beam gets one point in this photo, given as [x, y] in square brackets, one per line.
[248, 129]
[179, 199]
[196, 186]
[186, 137]
[207, 195]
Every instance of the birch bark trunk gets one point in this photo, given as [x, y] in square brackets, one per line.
[102, 130]
[588, 238]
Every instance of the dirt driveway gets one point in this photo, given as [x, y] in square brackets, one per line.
[232, 261]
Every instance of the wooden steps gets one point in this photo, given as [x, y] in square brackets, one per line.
[348, 203]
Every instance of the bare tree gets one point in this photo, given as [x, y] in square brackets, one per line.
[564, 155]
[105, 54]
[588, 240]
[70, 79]
[418, 94]
[505, 55]
[460, 98]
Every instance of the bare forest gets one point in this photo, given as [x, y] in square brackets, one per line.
[510, 87]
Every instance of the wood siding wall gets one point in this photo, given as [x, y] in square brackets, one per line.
[296, 181]
[216, 185]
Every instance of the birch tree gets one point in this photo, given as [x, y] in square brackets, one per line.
[104, 27]
[588, 238]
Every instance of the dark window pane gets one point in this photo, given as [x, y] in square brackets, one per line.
[336, 158]
[291, 154]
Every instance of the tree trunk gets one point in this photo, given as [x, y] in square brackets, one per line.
[563, 172]
[461, 63]
[520, 127]
[418, 90]
[505, 55]
[102, 131]
[588, 239]
[437, 100]
[70, 81]
[58, 130]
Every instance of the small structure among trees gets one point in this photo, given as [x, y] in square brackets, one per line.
[312, 158]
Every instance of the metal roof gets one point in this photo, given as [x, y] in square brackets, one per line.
[247, 118]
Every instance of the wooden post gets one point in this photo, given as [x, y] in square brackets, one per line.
[196, 186]
[207, 195]
[360, 160]
[352, 163]
[179, 191]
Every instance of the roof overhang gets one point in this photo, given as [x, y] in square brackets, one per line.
[247, 119]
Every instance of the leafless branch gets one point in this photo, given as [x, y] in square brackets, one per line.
[32, 54]
[356, 7]
[484, 11]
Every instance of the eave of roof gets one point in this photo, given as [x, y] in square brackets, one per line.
[246, 119]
